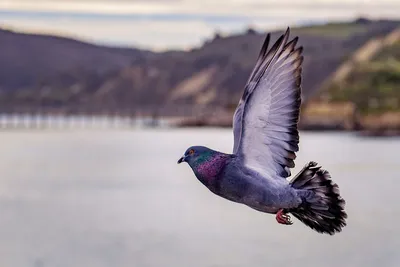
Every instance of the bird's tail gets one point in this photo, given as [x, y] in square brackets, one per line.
[323, 207]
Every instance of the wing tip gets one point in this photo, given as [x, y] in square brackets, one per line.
[264, 48]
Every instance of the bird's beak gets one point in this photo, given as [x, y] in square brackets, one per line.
[182, 159]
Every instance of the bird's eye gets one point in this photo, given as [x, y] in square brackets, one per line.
[191, 152]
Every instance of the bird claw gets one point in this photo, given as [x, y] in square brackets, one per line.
[283, 218]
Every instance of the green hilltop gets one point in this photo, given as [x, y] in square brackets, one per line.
[365, 92]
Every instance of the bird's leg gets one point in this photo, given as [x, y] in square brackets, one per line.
[283, 218]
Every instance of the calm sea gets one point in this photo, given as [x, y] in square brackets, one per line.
[118, 198]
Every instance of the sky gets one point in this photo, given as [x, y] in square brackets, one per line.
[177, 24]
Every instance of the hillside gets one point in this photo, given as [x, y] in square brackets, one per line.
[53, 74]
[29, 59]
[370, 90]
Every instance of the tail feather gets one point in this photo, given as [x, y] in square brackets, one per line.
[323, 207]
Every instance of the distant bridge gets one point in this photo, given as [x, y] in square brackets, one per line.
[143, 116]
[38, 121]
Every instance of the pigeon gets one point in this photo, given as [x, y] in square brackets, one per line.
[266, 140]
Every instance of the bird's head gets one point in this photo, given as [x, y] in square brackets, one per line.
[196, 154]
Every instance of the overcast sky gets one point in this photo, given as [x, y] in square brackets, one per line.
[162, 24]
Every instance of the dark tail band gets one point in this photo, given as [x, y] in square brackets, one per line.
[323, 207]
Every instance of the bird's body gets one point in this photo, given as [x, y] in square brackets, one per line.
[266, 139]
[226, 176]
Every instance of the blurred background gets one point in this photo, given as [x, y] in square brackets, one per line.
[99, 99]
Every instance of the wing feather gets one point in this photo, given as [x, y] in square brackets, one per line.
[265, 121]
[264, 58]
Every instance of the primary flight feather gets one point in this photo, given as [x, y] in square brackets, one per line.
[265, 142]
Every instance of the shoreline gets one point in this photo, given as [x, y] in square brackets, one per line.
[385, 125]
[329, 126]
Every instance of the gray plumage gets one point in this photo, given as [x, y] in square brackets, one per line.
[265, 142]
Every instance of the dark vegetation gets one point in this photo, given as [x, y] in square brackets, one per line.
[374, 87]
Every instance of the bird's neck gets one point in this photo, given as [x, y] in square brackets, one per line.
[207, 169]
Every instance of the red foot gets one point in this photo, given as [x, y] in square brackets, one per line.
[283, 218]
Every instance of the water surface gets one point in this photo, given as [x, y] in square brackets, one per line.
[118, 198]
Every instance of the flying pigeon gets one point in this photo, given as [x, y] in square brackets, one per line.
[265, 141]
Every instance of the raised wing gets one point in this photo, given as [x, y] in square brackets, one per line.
[265, 121]
[237, 117]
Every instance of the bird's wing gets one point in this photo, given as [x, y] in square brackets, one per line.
[237, 117]
[265, 121]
